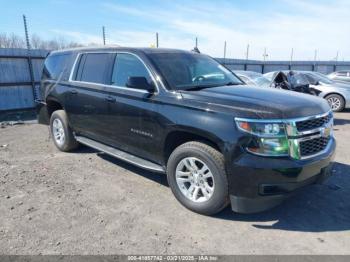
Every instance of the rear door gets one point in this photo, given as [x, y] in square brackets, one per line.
[86, 100]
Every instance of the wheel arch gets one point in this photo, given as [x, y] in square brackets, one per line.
[335, 93]
[45, 110]
[180, 136]
[52, 104]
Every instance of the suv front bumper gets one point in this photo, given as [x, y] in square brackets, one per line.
[259, 183]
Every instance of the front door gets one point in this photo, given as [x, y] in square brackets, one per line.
[133, 121]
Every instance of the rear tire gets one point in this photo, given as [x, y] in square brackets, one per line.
[336, 102]
[197, 177]
[61, 133]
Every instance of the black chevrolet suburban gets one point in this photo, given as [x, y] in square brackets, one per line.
[184, 114]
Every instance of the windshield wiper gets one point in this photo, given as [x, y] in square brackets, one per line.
[199, 87]
[232, 84]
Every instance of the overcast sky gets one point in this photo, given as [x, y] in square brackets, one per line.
[304, 25]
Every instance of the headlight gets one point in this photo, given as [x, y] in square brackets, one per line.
[269, 137]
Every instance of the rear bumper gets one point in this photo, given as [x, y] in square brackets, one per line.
[42, 113]
[347, 102]
[259, 183]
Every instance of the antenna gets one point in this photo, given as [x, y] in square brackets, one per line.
[195, 49]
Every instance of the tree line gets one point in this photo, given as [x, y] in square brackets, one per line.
[36, 42]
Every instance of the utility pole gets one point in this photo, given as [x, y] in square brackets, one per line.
[225, 52]
[246, 57]
[157, 40]
[265, 55]
[30, 65]
[291, 59]
[104, 35]
[247, 53]
[336, 61]
[315, 56]
[315, 59]
[26, 32]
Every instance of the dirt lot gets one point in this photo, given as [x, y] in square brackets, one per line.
[88, 203]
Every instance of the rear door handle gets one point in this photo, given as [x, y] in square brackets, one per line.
[74, 91]
[110, 99]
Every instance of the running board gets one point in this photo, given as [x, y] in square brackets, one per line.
[137, 161]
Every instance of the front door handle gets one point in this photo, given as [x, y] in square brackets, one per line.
[73, 91]
[110, 99]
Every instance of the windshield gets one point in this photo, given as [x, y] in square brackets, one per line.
[318, 77]
[298, 79]
[183, 71]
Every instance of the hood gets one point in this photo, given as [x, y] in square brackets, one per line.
[254, 102]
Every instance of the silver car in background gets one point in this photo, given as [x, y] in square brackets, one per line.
[337, 94]
[340, 76]
[253, 78]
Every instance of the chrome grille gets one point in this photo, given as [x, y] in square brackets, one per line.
[313, 123]
[309, 136]
[313, 146]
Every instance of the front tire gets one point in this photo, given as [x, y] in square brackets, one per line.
[197, 177]
[336, 102]
[61, 133]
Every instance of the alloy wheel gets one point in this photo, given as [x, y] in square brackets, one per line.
[194, 179]
[58, 131]
[334, 102]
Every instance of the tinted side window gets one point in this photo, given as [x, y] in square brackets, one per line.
[94, 68]
[56, 67]
[125, 66]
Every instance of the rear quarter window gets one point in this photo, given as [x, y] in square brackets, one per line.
[95, 68]
[57, 67]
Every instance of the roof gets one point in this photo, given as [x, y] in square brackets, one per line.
[146, 50]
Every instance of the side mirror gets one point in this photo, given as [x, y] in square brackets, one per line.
[140, 82]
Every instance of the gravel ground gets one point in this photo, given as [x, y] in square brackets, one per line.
[88, 203]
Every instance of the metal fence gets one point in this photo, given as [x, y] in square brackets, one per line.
[19, 84]
[324, 67]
